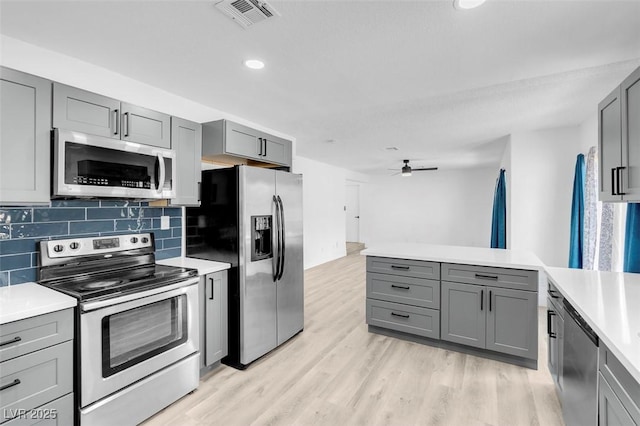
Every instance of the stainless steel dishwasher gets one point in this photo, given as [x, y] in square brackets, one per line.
[580, 372]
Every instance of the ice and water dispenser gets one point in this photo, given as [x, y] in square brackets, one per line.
[261, 247]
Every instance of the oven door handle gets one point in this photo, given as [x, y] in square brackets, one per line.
[176, 287]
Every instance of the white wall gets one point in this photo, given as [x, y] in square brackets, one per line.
[451, 207]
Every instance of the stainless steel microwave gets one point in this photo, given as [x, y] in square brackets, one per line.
[97, 167]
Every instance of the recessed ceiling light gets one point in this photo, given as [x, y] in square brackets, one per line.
[467, 4]
[254, 64]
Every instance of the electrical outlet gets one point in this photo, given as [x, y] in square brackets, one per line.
[165, 222]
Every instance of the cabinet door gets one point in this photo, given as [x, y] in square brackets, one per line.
[86, 112]
[242, 141]
[25, 114]
[215, 317]
[512, 322]
[611, 412]
[630, 96]
[276, 150]
[609, 145]
[552, 343]
[145, 126]
[463, 311]
[186, 141]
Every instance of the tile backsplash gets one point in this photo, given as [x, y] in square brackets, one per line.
[22, 227]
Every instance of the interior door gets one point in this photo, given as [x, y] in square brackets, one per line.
[352, 209]
[257, 288]
[290, 286]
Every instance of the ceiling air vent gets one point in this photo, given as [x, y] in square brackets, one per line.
[247, 12]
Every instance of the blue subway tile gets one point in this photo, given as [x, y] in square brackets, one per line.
[119, 203]
[171, 243]
[34, 259]
[91, 226]
[58, 214]
[151, 212]
[18, 246]
[162, 233]
[176, 222]
[166, 254]
[133, 224]
[19, 276]
[5, 232]
[4, 279]
[158, 244]
[172, 211]
[108, 213]
[39, 229]
[74, 203]
[15, 215]
[177, 232]
[15, 261]
[111, 234]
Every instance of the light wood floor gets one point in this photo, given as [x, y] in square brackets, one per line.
[336, 373]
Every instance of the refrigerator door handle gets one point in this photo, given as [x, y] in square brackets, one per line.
[282, 234]
[275, 238]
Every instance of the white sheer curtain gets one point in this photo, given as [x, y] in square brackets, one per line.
[589, 247]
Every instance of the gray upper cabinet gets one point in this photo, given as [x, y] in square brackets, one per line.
[87, 112]
[512, 322]
[25, 135]
[186, 141]
[228, 142]
[463, 314]
[619, 142]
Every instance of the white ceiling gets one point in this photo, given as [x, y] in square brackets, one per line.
[441, 85]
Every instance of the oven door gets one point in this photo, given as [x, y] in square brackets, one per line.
[94, 166]
[126, 342]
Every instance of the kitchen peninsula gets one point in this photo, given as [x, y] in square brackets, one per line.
[474, 300]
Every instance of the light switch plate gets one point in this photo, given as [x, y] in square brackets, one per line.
[165, 222]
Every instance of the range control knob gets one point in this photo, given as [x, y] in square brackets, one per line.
[58, 248]
[74, 245]
[134, 240]
[144, 240]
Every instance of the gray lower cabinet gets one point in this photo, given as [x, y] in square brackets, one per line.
[555, 346]
[228, 142]
[463, 314]
[36, 371]
[611, 411]
[87, 112]
[25, 114]
[213, 318]
[406, 318]
[186, 141]
[618, 391]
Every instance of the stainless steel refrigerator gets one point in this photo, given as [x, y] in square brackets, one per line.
[251, 218]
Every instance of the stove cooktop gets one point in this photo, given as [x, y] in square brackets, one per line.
[94, 286]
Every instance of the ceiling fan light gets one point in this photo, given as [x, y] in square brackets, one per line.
[406, 171]
[467, 4]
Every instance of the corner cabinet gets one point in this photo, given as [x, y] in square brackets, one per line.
[186, 141]
[87, 112]
[619, 142]
[25, 138]
[228, 142]
[213, 318]
[618, 392]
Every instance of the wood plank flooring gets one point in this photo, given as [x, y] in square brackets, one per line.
[336, 373]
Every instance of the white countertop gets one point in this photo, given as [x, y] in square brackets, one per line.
[203, 266]
[27, 300]
[518, 259]
[610, 303]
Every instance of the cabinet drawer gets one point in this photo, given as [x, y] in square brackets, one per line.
[37, 378]
[55, 413]
[32, 334]
[408, 290]
[496, 277]
[409, 319]
[623, 384]
[404, 267]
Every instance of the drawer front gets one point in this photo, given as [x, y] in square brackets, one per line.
[404, 267]
[623, 384]
[32, 334]
[409, 319]
[518, 279]
[34, 379]
[55, 413]
[407, 290]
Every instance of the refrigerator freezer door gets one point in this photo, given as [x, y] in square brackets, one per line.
[290, 287]
[257, 288]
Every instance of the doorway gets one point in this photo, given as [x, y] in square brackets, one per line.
[352, 213]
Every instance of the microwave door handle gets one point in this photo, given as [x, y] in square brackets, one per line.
[162, 177]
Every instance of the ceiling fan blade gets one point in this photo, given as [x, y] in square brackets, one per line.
[424, 169]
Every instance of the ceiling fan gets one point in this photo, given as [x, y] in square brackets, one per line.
[406, 170]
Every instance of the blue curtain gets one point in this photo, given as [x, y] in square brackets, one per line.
[632, 239]
[499, 220]
[577, 215]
